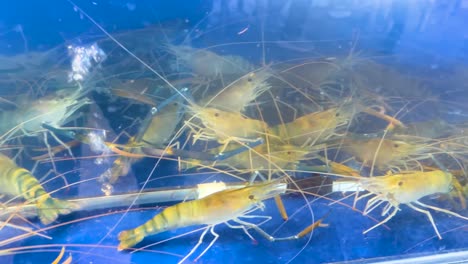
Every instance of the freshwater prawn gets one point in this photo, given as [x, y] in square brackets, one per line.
[405, 188]
[313, 128]
[19, 182]
[224, 126]
[207, 63]
[156, 130]
[399, 152]
[236, 96]
[272, 158]
[212, 210]
[320, 126]
[55, 109]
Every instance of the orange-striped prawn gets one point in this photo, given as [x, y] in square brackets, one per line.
[405, 188]
[17, 181]
[220, 207]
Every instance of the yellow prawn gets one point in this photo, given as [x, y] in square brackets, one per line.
[156, 130]
[138, 90]
[220, 207]
[224, 126]
[312, 128]
[55, 109]
[379, 152]
[236, 96]
[274, 157]
[398, 151]
[17, 181]
[405, 188]
[317, 127]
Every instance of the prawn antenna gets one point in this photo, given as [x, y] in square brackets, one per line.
[440, 165]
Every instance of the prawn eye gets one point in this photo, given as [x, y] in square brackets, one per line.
[216, 114]
[249, 79]
[337, 114]
[289, 152]
[251, 197]
[400, 183]
[396, 145]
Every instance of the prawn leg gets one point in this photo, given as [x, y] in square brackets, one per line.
[216, 236]
[281, 208]
[271, 238]
[200, 241]
[429, 216]
[225, 143]
[229, 154]
[60, 256]
[441, 210]
[69, 133]
[383, 221]
[278, 200]
[187, 154]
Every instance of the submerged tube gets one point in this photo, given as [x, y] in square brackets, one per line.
[159, 195]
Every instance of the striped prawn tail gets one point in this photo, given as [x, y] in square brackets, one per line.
[131, 237]
[167, 219]
[48, 208]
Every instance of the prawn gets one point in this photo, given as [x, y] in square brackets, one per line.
[399, 150]
[318, 127]
[380, 152]
[405, 188]
[236, 96]
[312, 128]
[220, 207]
[224, 126]
[207, 63]
[17, 181]
[273, 158]
[54, 109]
[156, 129]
